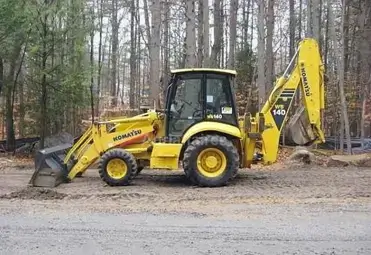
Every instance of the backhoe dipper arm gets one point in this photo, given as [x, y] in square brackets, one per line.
[305, 126]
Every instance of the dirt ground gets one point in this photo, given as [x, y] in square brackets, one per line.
[281, 209]
[162, 191]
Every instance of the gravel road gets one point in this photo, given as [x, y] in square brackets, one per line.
[278, 229]
[274, 210]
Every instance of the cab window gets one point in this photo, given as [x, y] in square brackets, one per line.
[219, 103]
[186, 107]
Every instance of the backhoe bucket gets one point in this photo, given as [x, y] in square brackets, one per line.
[50, 171]
[299, 130]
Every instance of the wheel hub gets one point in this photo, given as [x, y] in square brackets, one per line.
[117, 168]
[211, 162]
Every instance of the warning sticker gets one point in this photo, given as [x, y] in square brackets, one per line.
[227, 110]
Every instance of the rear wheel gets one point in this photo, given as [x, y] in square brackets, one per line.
[211, 161]
[117, 167]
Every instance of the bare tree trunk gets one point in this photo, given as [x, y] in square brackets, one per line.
[132, 56]
[146, 20]
[154, 52]
[309, 18]
[166, 49]
[44, 96]
[190, 60]
[364, 67]
[10, 132]
[363, 114]
[346, 38]
[206, 27]
[115, 45]
[223, 47]
[92, 70]
[292, 28]
[233, 33]
[313, 19]
[252, 23]
[316, 28]
[22, 110]
[299, 37]
[245, 18]
[100, 57]
[269, 46]
[261, 54]
[138, 34]
[200, 36]
[218, 35]
[326, 36]
[1, 74]
[340, 57]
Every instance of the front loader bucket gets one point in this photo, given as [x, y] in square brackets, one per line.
[299, 130]
[50, 171]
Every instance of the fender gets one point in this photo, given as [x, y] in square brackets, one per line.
[211, 126]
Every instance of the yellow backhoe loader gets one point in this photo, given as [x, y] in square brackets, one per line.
[199, 130]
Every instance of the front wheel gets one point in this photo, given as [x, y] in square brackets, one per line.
[117, 167]
[211, 161]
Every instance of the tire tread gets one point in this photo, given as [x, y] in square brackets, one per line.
[124, 155]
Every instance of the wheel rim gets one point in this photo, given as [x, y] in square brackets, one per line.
[211, 162]
[117, 168]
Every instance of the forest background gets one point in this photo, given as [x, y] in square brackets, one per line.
[64, 63]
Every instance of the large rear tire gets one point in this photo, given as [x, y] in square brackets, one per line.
[211, 161]
[117, 167]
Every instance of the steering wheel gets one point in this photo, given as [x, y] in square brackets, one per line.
[181, 100]
[210, 109]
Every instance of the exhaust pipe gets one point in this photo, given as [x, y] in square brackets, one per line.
[50, 169]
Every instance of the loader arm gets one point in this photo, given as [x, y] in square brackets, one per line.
[63, 163]
[305, 73]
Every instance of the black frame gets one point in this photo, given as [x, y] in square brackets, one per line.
[171, 90]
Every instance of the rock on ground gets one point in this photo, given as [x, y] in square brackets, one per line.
[302, 155]
[360, 160]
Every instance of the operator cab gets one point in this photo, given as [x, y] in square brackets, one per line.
[200, 94]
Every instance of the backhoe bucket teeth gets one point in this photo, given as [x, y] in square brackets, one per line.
[299, 129]
[50, 171]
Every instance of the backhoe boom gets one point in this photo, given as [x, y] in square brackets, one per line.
[305, 126]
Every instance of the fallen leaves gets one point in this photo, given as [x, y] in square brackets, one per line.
[15, 162]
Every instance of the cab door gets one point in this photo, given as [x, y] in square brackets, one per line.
[185, 104]
[220, 103]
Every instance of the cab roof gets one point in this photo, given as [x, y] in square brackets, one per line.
[212, 70]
